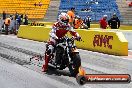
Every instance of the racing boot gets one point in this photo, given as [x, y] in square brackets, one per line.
[45, 66]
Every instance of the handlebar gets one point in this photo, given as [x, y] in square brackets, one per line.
[65, 38]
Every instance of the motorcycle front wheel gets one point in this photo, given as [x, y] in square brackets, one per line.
[74, 67]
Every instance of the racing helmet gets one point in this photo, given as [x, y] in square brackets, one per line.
[63, 18]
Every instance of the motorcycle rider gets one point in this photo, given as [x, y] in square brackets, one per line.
[59, 29]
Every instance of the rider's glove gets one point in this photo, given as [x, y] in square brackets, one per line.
[78, 38]
[55, 37]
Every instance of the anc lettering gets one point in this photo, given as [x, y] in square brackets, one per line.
[102, 41]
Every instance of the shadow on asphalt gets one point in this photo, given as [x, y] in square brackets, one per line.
[56, 72]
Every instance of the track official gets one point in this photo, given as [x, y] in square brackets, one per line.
[114, 22]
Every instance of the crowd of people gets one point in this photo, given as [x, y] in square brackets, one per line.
[113, 23]
[10, 23]
[77, 22]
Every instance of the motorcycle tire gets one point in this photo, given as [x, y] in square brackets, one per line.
[74, 67]
[81, 80]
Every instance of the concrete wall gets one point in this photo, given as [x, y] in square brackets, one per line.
[110, 42]
[128, 36]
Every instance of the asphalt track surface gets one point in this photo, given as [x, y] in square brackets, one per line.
[16, 71]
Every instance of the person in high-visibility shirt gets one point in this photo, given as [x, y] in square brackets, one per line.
[7, 24]
[78, 22]
[71, 14]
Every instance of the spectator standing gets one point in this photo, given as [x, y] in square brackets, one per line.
[71, 14]
[35, 4]
[26, 20]
[17, 22]
[11, 24]
[87, 21]
[16, 25]
[114, 22]
[1, 24]
[16, 15]
[21, 18]
[7, 24]
[103, 22]
[4, 15]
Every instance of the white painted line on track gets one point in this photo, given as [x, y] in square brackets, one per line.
[86, 86]
[11, 36]
[129, 57]
[99, 69]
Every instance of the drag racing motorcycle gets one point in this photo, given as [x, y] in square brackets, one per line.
[65, 55]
